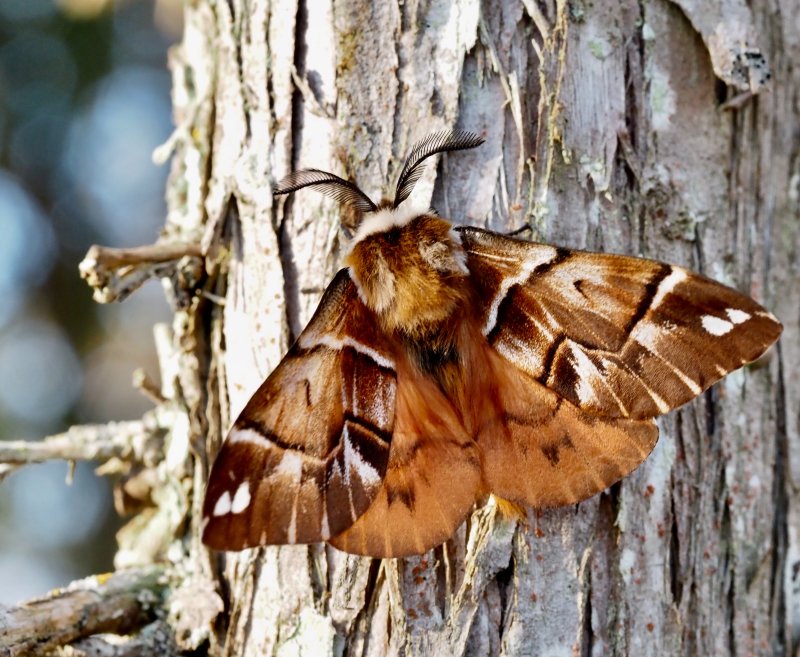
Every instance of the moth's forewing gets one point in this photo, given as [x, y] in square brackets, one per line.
[615, 335]
[309, 451]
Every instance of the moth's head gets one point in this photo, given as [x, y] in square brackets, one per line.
[403, 258]
[360, 214]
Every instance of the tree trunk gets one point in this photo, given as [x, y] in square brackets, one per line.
[648, 128]
[638, 128]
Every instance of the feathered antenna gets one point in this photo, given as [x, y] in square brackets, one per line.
[437, 142]
[344, 191]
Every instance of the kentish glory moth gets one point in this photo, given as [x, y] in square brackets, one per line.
[447, 363]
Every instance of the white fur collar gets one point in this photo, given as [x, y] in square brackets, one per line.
[382, 220]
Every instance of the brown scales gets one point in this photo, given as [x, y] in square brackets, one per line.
[444, 365]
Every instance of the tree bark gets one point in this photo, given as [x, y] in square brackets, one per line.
[649, 128]
[641, 128]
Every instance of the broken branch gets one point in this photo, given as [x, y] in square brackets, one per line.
[119, 603]
[115, 273]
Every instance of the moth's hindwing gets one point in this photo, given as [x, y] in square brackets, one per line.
[307, 455]
[543, 451]
[432, 480]
[617, 336]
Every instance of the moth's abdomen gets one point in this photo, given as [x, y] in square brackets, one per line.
[412, 276]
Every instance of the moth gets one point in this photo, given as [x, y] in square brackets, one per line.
[444, 364]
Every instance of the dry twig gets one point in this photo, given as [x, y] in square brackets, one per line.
[115, 273]
[119, 603]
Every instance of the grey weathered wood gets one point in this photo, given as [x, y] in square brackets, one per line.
[619, 126]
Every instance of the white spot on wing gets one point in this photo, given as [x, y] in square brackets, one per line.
[249, 436]
[737, 316]
[353, 460]
[325, 529]
[223, 505]
[241, 499]
[518, 351]
[291, 465]
[646, 334]
[668, 285]
[716, 325]
[589, 377]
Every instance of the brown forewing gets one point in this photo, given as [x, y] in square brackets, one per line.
[307, 455]
[615, 335]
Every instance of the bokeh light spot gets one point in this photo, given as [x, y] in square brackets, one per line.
[51, 514]
[109, 155]
[24, 10]
[83, 9]
[44, 373]
[27, 245]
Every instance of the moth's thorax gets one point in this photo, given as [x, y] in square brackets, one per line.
[410, 269]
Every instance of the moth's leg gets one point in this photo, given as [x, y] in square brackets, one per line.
[509, 509]
[518, 231]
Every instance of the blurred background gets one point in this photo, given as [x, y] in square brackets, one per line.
[84, 100]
